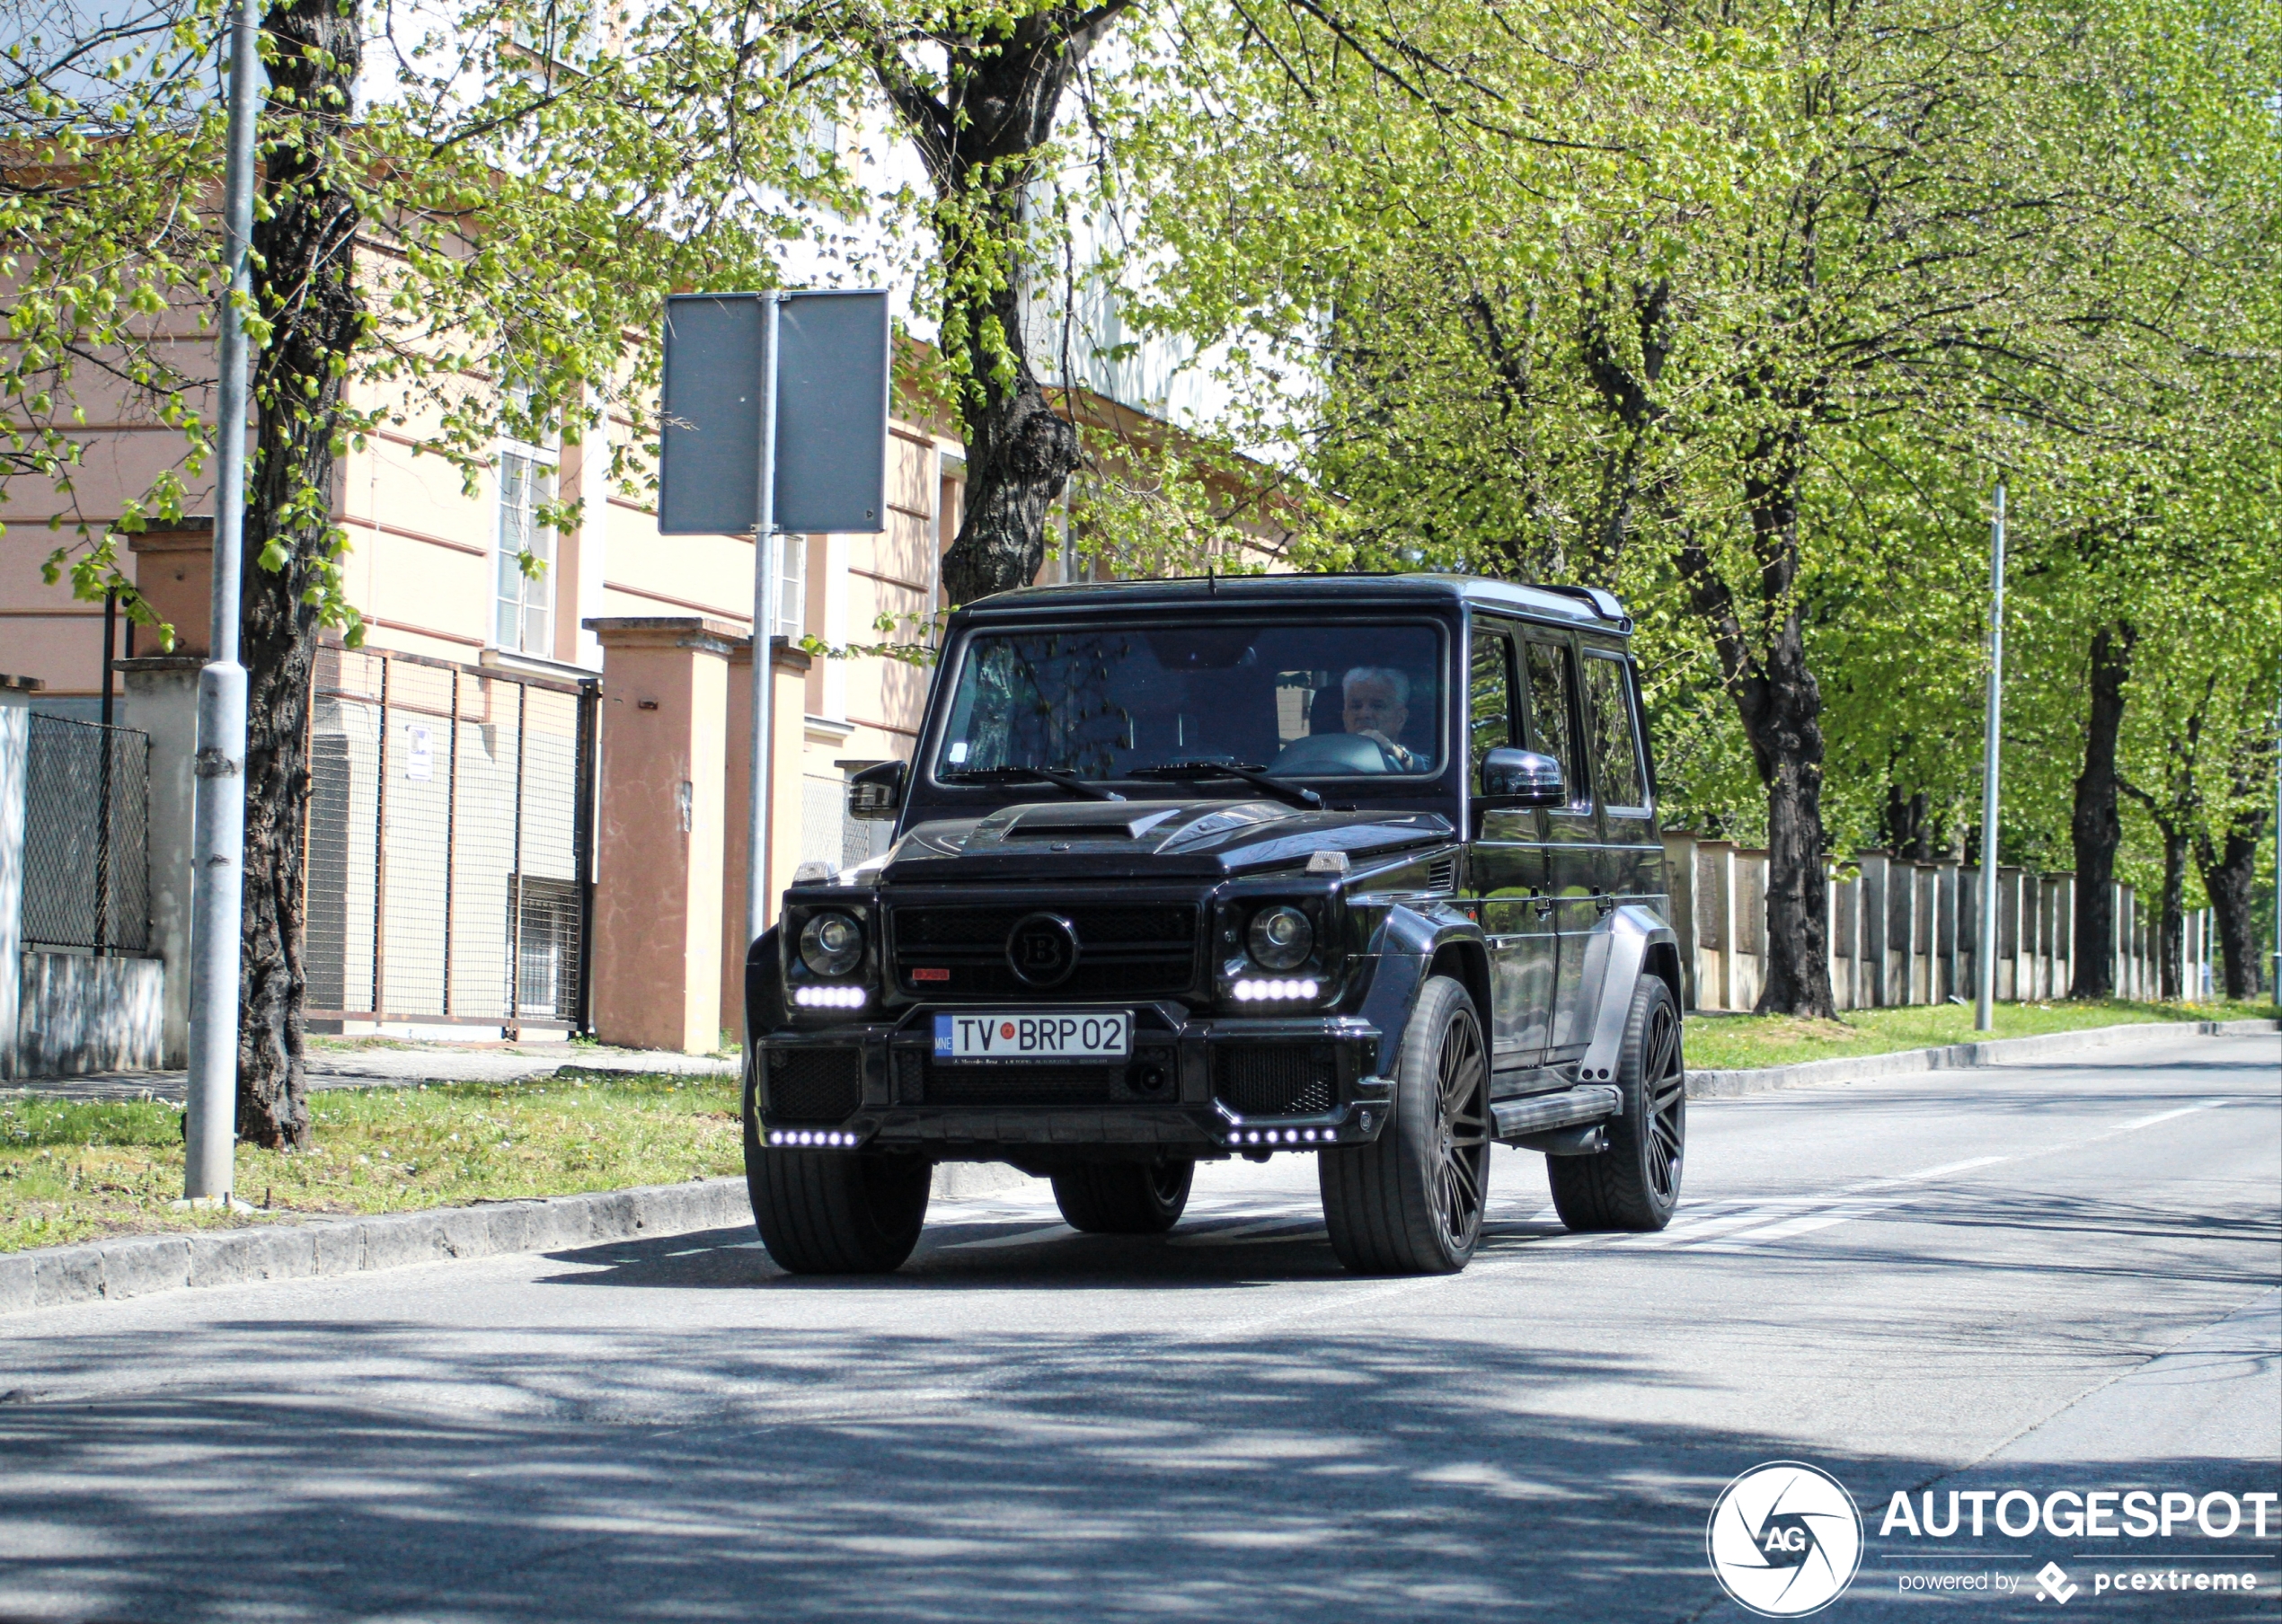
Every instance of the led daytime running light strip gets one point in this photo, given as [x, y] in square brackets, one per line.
[1253, 990]
[1284, 1137]
[783, 1137]
[831, 998]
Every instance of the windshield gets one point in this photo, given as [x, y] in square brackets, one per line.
[1303, 701]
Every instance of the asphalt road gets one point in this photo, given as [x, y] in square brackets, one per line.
[2045, 1276]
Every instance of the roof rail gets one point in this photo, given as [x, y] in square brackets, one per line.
[1604, 602]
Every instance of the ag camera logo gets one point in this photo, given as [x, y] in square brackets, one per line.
[1784, 1539]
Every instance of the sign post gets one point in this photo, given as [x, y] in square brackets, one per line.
[774, 423]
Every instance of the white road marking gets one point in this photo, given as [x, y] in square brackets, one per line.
[1805, 1224]
[1249, 1231]
[1021, 1238]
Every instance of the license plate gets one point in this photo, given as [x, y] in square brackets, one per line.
[1017, 1038]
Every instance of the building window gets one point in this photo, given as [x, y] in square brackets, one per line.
[791, 587]
[524, 621]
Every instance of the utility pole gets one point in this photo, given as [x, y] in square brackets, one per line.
[1985, 994]
[217, 876]
[766, 543]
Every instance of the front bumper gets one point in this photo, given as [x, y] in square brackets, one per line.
[1194, 1085]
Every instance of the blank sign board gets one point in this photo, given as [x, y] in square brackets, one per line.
[831, 413]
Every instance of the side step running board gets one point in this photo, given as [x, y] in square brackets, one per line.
[1588, 1102]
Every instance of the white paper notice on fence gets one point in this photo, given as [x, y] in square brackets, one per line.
[420, 755]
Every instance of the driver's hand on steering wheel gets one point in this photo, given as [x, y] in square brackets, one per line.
[1402, 758]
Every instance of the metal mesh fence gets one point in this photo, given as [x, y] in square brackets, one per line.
[447, 843]
[86, 860]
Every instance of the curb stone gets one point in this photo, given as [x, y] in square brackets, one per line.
[1956, 1056]
[136, 1266]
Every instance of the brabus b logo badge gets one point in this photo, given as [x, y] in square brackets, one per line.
[1784, 1539]
[1042, 949]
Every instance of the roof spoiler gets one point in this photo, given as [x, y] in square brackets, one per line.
[1604, 602]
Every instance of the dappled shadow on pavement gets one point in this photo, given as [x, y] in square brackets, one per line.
[899, 1477]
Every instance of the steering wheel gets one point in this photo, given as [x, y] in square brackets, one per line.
[1338, 754]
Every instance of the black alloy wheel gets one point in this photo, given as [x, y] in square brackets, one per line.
[1411, 1202]
[834, 1212]
[1124, 1197]
[1635, 1183]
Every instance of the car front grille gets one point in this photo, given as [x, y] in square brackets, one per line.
[814, 1085]
[1275, 1079]
[1125, 950]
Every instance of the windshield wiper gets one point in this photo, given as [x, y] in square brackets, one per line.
[1296, 794]
[1042, 775]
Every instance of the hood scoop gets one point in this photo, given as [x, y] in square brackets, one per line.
[1083, 820]
[1148, 826]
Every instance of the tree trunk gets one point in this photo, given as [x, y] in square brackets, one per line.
[2229, 875]
[1782, 713]
[2171, 923]
[303, 283]
[980, 142]
[1779, 704]
[1909, 825]
[1019, 455]
[2096, 829]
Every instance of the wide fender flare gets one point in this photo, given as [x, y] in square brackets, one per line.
[1402, 952]
[764, 1009]
[1617, 955]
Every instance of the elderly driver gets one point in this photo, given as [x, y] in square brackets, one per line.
[1378, 703]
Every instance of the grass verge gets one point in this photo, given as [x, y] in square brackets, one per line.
[1740, 1042]
[78, 1171]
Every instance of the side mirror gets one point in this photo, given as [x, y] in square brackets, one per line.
[875, 794]
[1523, 778]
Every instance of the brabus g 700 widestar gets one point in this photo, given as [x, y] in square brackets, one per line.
[1360, 868]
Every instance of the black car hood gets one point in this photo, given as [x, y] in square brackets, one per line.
[1147, 839]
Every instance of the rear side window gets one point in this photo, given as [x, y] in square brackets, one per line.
[1552, 714]
[1616, 749]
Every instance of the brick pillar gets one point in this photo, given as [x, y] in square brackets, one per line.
[162, 698]
[174, 572]
[659, 836]
[787, 745]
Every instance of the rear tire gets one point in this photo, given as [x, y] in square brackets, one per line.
[1124, 1197]
[834, 1213]
[1635, 1183]
[1411, 1202]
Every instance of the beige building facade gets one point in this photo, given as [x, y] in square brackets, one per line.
[526, 789]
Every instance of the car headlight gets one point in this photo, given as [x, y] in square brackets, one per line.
[1281, 938]
[831, 944]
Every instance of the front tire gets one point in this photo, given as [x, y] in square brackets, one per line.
[1635, 1183]
[1124, 1197]
[1411, 1202]
[834, 1213]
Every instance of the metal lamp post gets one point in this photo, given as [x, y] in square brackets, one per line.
[217, 876]
[1985, 992]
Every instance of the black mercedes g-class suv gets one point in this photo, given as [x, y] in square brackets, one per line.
[1364, 867]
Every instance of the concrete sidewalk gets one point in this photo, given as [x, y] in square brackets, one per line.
[1960, 1056]
[399, 1065]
